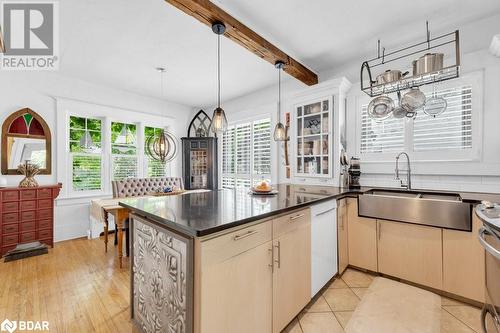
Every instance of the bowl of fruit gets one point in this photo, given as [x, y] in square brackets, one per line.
[263, 188]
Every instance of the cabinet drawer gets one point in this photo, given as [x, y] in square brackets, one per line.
[289, 222]
[27, 205]
[45, 203]
[10, 228]
[44, 193]
[28, 215]
[42, 234]
[27, 237]
[10, 195]
[10, 239]
[28, 226]
[226, 246]
[6, 249]
[45, 214]
[10, 206]
[45, 224]
[28, 194]
[10, 217]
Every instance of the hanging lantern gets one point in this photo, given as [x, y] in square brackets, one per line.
[279, 130]
[162, 147]
[219, 120]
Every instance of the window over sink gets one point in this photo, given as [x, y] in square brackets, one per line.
[453, 135]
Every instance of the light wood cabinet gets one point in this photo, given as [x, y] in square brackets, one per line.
[292, 267]
[362, 238]
[463, 262]
[254, 279]
[236, 282]
[342, 235]
[411, 252]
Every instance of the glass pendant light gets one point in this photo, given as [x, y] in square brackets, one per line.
[279, 130]
[219, 120]
[161, 147]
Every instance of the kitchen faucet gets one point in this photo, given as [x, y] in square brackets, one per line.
[408, 171]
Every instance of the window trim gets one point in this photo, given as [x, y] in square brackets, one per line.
[258, 117]
[474, 154]
[107, 114]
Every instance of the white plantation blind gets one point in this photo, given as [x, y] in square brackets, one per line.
[381, 136]
[243, 148]
[86, 172]
[246, 153]
[124, 167]
[450, 130]
[262, 147]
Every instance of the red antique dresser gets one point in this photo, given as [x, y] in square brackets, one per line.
[27, 215]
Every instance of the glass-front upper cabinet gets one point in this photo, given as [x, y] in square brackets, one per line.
[313, 149]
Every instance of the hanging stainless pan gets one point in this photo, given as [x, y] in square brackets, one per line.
[390, 76]
[427, 63]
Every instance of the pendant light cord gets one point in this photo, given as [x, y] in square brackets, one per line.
[279, 95]
[218, 71]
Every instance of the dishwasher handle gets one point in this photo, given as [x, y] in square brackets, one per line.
[494, 252]
[326, 211]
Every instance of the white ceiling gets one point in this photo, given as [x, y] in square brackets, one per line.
[118, 43]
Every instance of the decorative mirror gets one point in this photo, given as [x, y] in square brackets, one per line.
[200, 125]
[25, 136]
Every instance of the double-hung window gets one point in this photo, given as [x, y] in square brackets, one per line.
[124, 162]
[153, 168]
[246, 153]
[85, 147]
[453, 135]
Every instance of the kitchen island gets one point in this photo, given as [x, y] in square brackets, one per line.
[213, 261]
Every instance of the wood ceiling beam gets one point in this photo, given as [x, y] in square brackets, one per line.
[208, 13]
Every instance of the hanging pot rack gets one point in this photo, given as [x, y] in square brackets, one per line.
[373, 89]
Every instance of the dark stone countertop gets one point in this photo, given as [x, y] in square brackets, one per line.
[201, 214]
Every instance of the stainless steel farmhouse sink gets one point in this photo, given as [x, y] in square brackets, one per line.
[443, 210]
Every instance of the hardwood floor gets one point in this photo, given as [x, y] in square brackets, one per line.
[76, 287]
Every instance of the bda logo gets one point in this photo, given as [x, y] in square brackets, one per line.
[8, 325]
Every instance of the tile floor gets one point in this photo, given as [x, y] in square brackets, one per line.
[330, 311]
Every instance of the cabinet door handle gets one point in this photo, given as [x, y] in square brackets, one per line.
[245, 235]
[272, 259]
[379, 231]
[279, 254]
[293, 218]
[326, 211]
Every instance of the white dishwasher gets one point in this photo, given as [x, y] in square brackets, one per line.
[323, 244]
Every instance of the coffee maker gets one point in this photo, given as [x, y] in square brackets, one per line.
[354, 173]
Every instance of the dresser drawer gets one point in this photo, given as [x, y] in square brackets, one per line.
[10, 217]
[28, 194]
[44, 234]
[27, 205]
[28, 215]
[28, 226]
[6, 249]
[45, 224]
[44, 193]
[45, 203]
[10, 239]
[289, 222]
[26, 237]
[226, 246]
[10, 206]
[45, 214]
[10, 228]
[10, 195]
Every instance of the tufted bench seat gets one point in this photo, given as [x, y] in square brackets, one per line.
[136, 187]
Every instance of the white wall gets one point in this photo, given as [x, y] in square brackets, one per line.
[481, 176]
[38, 90]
